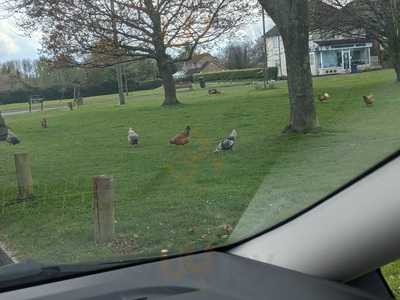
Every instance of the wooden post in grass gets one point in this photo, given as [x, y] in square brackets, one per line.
[24, 176]
[71, 106]
[103, 209]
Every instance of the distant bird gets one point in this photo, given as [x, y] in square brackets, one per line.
[369, 100]
[44, 123]
[214, 92]
[6, 135]
[133, 137]
[325, 97]
[228, 143]
[182, 138]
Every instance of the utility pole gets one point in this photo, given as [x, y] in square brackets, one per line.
[118, 67]
[265, 49]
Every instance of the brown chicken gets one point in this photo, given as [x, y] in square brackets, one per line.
[182, 138]
[325, 97]
[369, 100]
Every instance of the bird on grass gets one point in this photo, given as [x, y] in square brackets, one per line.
[12, 139]
[369, 100]
[133, 137]
[228, 142]
[325, 97]
[182, 138]
[6, 135]
[214, 92]
[44, 123]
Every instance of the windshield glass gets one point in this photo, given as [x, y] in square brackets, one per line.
[157, 128]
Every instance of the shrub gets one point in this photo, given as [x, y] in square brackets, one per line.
[147, 85]
[230, 75]
[244, 74]
[58, 92]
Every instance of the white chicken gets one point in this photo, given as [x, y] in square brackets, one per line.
[228, 143]
[133, 137]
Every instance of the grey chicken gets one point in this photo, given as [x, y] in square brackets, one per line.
[133, 137]
[228, 143]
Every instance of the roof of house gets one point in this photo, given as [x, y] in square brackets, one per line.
[342, 42]
[209, 59]
[200, 69]
[321, 14]
[198, 57]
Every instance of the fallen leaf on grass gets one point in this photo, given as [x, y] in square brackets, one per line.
[227, 227]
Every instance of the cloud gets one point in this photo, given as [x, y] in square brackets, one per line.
[14, 45]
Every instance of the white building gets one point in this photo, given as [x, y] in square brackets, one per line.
[334, 54]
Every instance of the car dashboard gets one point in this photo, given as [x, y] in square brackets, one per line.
[210, 276]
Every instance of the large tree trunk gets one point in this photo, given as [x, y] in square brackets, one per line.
[397, 70]
[393, 47]
[166, 72]
[292, 19]
[303, 116]
[395, 56]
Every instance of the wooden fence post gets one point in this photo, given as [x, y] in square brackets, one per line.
[103, 209]
[71, 106]
[30, 105]
[24, 176]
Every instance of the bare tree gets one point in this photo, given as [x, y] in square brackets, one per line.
[379, 19]
[131, 30]
[292, 20]
[236, 56]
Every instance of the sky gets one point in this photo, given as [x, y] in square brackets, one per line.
[14, 45]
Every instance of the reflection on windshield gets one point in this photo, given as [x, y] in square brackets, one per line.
[128, 141]
[183, 198]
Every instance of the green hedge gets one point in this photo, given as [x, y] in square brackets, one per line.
[238, 75]
[55, 92]
[147, 85]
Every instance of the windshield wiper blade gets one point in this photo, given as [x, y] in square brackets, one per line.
[21, 270]
[22, 273]
[30, 272]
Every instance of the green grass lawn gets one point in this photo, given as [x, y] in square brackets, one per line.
[392, 275]
[182, 198]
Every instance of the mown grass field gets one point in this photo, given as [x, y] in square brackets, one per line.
[182, 199]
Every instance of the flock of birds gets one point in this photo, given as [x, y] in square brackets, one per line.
[183, 138]
[368, 100]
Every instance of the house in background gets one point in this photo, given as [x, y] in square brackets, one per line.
[202, 63]
[330, 53]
